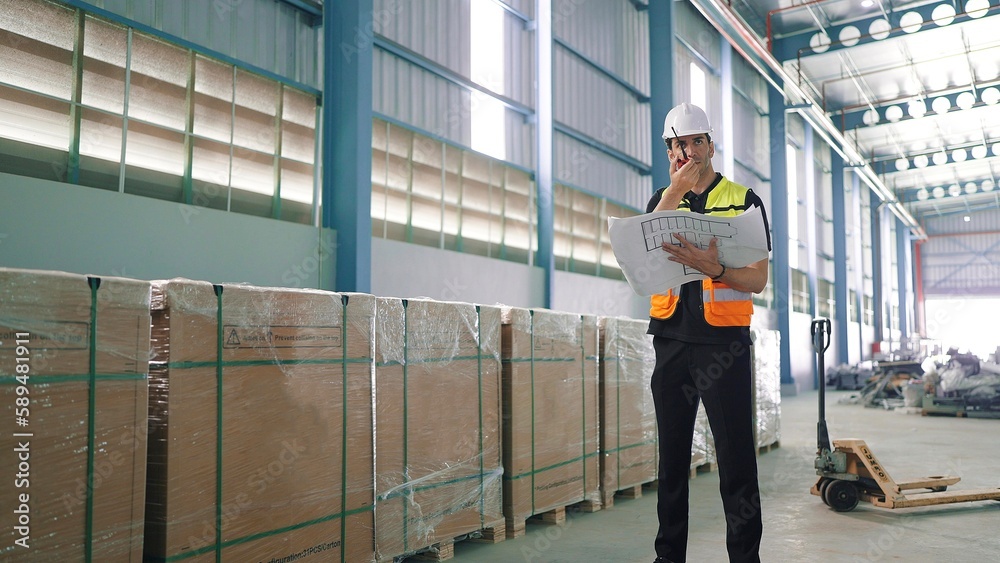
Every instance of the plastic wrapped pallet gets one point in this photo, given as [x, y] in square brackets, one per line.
[550, 421]
[767, 386]
[628, 418]
[261, 416]
[73, 378]
[437, 419]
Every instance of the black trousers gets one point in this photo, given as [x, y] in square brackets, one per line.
[718, 375]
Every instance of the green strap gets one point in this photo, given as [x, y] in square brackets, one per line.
[218, 422]
[407, 491]
[583, 394]
[618, 404]
[482, 453]
[260, 535]
[532, 342]
[94, 284]
[534, 472]
[344, 299]
[75, 378]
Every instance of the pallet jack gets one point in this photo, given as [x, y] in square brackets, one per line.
[850, 472]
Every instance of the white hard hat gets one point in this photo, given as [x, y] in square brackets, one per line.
[685, 119]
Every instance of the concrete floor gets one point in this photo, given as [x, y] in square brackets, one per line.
[798, 527]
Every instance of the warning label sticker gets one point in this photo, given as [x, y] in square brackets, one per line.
[49, 335]
[281, 336]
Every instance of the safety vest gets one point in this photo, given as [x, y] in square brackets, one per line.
[723, 305]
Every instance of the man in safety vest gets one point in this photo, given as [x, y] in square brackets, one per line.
[701, 335]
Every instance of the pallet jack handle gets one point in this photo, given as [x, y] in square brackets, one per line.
[821, 330]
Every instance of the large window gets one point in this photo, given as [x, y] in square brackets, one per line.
[581, 242]
[800, 292]
[429, 192]
[90, 102]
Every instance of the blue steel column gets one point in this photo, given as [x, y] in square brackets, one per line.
[347, 138]
[779, 214]
[661, 86]
[904, 266]
[859, 254]
[811, 242]
[840, 281]
[878, 306]
[728, 126]
[543, 137]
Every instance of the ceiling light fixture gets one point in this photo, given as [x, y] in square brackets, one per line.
[990, 95]
[922, 194]
[943, 15]
[911, 22]
[938, 192]
[971, 187]
[979, 151]
[966, 218]
[920, 161]
[966, 100]
[977, 8]
[954, 190]
[867, 3]
[941, 105]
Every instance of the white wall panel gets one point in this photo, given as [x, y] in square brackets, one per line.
[264, 33]
[612, 33]
[600, 108]
[583, 166]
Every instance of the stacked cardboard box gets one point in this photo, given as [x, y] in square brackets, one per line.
[73, 384]
[550, 419]
[437, 395]
[261, 414]
[628, 418]
[767, 386]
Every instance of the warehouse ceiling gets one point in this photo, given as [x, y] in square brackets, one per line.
[914, 86]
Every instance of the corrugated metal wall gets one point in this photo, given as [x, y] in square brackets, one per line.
[962, 258]
[268, 34]
[612, 35]
[404, 91]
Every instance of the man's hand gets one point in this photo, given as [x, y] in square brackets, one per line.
[683, 178]
[705, 261]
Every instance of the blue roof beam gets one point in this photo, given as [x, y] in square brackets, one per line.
[868, 30]
[862, 115]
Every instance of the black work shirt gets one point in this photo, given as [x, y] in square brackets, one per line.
[688, 323]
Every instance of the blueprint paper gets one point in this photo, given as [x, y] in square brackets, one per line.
[635, 241]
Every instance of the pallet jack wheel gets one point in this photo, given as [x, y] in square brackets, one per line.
[841, 495]
[823, 484]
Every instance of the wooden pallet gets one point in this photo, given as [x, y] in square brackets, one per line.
[445, 550]
[516, 528]
[767, 448]
[704, 468]
[632, 492]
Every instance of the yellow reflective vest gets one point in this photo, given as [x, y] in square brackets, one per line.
[723, 305]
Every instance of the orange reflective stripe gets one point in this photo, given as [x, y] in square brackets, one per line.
[725, 306]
